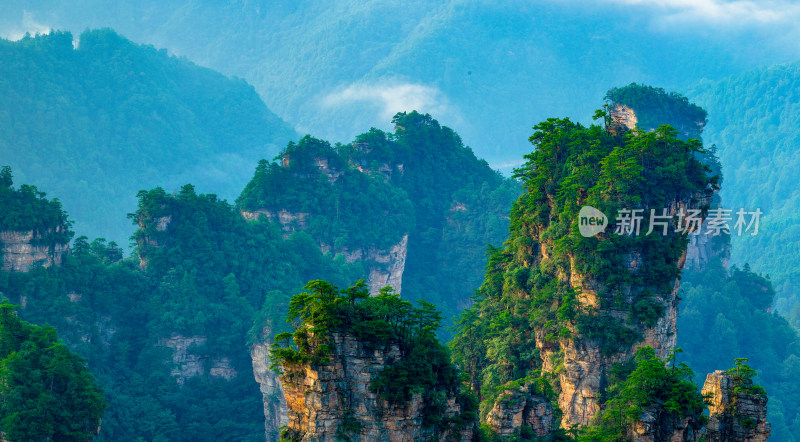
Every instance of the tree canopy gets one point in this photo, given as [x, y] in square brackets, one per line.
[46, 390]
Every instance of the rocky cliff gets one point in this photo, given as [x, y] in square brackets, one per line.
[590, 274]
[335, 399]
[515, 410]
[586, 361]
[384, 266]
[23, 249]
[275, 410]
[738, 410]
[188, 359]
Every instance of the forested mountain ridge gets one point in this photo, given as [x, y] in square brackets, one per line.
[33, 229]
[365, 61]
[362, 199]
[46, 391]
[167, 331]
[755, 129]
[176, 327]
[95, 118]
[725, 310]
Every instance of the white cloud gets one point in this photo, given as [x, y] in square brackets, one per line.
[28, 25]
[391, 97]
[724, 12]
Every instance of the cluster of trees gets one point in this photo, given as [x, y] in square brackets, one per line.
[208, 274]
[646, 383]
[460, 206]
[27, 208]
[353, 211]
[654, 106]
[572, 166]
[420, 180]
[380, 321]
[46, 390]
[733, 311]
[94, 118]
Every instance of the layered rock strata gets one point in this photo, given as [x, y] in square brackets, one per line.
[737, 412]
[24, 249]
[517, 409]
[330, 400]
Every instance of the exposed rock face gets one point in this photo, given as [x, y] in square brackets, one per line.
[385, 266]
[21, 251]
[585, 364]
[735, 415]
[655, 425]
[275, 410]
[334, 398]
[515, 409]
[187, 362]
[290, 222]
[622, 116]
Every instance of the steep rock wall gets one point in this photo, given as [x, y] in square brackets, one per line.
[334, 398]
[384, 267]
[735, 415]
[275, 410]
[520, 408]
[585, 363]
[22, 250]
[188, 361]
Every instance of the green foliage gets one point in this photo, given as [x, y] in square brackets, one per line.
[420, 180]
[376, 321]
[210, 276]
[350, 210]
[95, 123]
[381, 321]
[654, 106]
[724, 312]
[26, 208]
[654, 384]
[743, 379]
[460, 206]
[573, 166]
[46, 391]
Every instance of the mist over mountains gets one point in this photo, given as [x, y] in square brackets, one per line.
[486, 69]
[185, 98]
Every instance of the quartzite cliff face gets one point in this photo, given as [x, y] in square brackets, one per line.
[23, 249]
[738, 412]
[585, 362]
[328, 400]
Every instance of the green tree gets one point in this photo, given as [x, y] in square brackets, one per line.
[46, 391]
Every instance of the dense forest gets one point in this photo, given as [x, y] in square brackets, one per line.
[211, 281]
[419, 180]
[753, 123]
[726, 309]
[204, 280]
[489, 70]
[94, 118]
[523, 298]
[46, 390]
